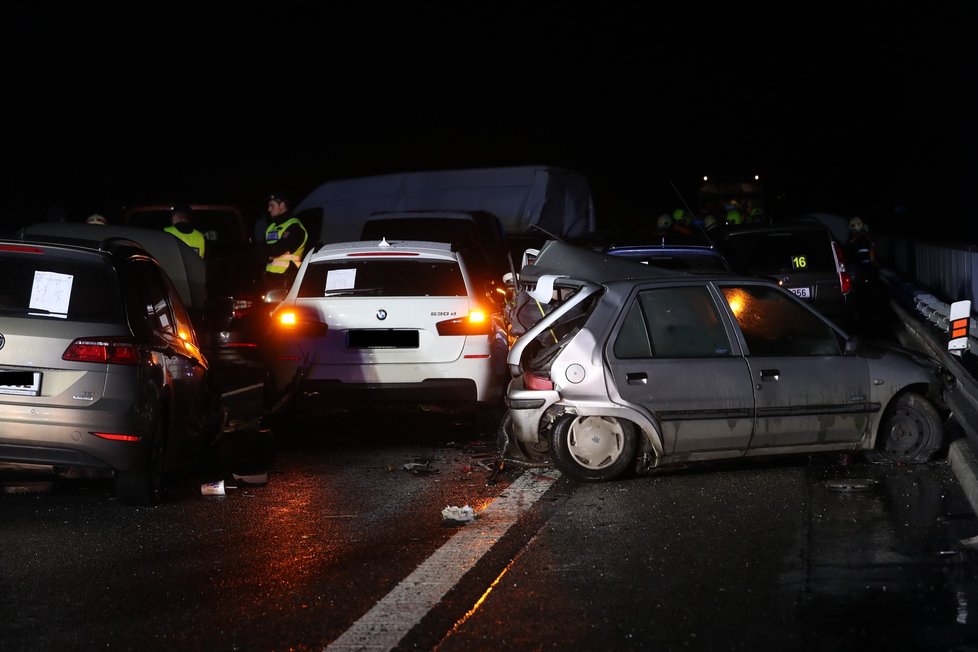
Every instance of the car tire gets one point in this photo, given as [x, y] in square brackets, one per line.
[910, 431]
[592, 448]
[145, 486]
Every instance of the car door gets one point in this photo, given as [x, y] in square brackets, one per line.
[807, 391]
[672, 354]
[173, 341]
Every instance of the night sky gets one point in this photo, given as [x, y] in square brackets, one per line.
[850, 108]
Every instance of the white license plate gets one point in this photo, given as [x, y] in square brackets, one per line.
[804, 293]
[22, 383]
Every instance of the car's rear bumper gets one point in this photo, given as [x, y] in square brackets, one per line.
[331, 395]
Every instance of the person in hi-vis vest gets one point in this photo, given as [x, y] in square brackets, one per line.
[285, 243]
[183, 228]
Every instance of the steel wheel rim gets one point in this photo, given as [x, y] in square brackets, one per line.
[906, 431]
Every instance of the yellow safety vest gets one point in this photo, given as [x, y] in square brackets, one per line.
[195, 239]
[280, 264]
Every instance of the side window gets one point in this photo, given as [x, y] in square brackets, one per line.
[775, 324]
[151, 297]
[672, 323]
[633, 338]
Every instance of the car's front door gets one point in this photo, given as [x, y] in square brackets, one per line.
[672, 355]
[807, 391]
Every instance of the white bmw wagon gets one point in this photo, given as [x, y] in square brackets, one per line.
[398, 325]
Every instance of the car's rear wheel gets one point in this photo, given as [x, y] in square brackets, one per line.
[910, 432]
[592, 448]
[145, 486]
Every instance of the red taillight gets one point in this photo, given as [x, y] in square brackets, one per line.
[845, 279]
[116, 436]
[475, 323]
[107, 350]
[532, 381]
[243, 306]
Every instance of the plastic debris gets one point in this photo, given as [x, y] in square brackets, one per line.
[215, 488]
[458, 514]
[419, 468]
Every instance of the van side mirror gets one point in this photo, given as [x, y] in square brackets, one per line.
[853, 343]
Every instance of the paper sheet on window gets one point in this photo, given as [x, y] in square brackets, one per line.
[51, 292]
[341, 279]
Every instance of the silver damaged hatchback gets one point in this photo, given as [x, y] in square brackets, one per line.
[643, 367]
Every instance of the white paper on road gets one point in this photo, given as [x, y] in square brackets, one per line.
[399, 611]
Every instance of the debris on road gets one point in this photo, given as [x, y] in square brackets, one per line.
[420, 468]
[257, 479]
[453, 514]
[215, 488]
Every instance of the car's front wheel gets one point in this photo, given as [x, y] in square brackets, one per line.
[592, 448]
[910, 432]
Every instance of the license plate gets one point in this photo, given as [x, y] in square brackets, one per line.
[22, 383]
[382, 339]
[804, 293]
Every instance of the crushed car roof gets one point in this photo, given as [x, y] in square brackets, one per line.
[559, 258]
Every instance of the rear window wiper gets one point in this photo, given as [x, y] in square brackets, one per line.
[337, 293]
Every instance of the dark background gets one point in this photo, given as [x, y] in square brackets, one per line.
[856, 108]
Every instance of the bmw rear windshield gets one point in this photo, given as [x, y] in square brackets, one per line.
[397, 277]
[38, 283]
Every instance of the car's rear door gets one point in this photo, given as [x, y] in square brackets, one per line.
[807, 391]
[672, 354]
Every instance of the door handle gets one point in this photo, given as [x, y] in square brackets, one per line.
[770, 374]
[637, 378]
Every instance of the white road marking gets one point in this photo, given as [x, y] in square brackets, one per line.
[399, 611]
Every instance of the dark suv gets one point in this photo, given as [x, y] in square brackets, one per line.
[802, 258]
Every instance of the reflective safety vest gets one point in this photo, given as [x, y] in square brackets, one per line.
[280, 263]
[195, 239]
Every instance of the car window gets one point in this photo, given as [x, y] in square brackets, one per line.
[774, 323]
[672, 323]
[780, 252]
[150, 297]
[44, 286]
[400, 277]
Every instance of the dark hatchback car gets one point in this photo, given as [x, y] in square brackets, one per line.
[802, 258]
[633, 367]
[100, 367]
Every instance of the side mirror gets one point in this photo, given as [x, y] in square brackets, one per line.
[275, 296]
[852, 344]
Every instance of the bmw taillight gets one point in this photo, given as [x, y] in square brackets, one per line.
[300, 321]
[475, 323]
[105, 350]
[845, 278]
[534, 381]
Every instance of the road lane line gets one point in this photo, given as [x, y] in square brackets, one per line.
[399, 611]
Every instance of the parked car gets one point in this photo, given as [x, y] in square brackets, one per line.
[100, 367]
[803, 258]
[686, 258]
[374, 325]
[234, 272]
[647, 367]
